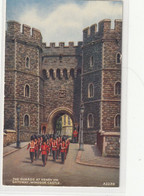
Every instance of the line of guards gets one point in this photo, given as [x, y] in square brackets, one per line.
[48, 145]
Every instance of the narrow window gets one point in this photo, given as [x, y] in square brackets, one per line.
[118, 88]
[69, 120]
[91, 90]
[72, 73]
[90, 121]
[27, 63]
[117, 120]
[118, 58]
[27, 91]
[51, 73]
[26, 120]
[91, 61]
[44, 74]
[60, 58]
[58, 73]
[65, 74]
[64, 119]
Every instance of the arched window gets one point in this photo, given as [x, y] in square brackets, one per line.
[90, 90]
[44, 74]
[69, 121]
[51, 71]
[64, 119]
[27, 91]
[118, 58]
[26, 120]
[118, 88]
[27, 62]
[90, 121]
[72, 73]
[91, 61]
[65, 74]
[117, 120]
[60, 58]
[58, 73]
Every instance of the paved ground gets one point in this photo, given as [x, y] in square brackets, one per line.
[17, 170]
[92, 157]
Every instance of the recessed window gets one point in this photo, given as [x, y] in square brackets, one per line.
[90, 121]
[118, 88]
[72, 73]
[27, 62]
[26, 120]
[91, 90]
[117, 120]
[60, 58]
[91, 61]
[65, 74]
[27, 91]
[118, 58]
[44, 73]
[51, 71]
[64, 119]
[69, 120]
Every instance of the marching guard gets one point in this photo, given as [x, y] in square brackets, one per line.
[31, 146]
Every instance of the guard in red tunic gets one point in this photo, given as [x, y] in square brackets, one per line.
[48, 148]
[75, 136]
[63, 149]
[54, 148]
[39, 145]
[44, 148]
[31, 146]
[58, 146]
[36, 147]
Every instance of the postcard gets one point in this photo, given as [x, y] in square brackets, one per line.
[62, 93]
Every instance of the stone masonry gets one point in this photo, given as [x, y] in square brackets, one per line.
[49, 81]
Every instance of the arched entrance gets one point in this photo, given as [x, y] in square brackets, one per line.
[55, 115]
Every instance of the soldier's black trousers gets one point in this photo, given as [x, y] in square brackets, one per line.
[32, 156]
[36, 154]
[44, 159]
[62, 156]
[54, 154]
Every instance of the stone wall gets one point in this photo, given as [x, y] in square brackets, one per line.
[9, 137]
[109, 143]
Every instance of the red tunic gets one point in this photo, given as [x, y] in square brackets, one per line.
[54, 145]
[44, 148]
[63, 147]
[75, 133]
[31, 145]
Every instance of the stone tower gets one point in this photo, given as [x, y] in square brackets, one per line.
[101, 81]
[23, 83]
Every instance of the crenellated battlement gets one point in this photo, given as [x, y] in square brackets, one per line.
[62, 45]
[14, 29]
[104, 30]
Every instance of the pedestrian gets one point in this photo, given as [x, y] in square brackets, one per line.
[57, 152]
[44, 148]
[75, 136]
[31, 146]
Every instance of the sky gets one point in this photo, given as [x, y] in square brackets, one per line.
[62, 20]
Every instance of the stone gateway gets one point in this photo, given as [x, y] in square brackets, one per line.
[50, 81]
